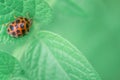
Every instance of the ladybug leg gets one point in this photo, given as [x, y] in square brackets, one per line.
[15, 17]
[5, 25]
[8, 23]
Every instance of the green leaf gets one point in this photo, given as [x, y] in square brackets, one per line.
[68, 7]
[50, 57]
[38, 10]
[18, 78]
[9, 67]
[42, 55]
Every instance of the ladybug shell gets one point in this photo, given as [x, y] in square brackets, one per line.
[19, 27]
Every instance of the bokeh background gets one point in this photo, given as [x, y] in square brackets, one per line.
[93, 26]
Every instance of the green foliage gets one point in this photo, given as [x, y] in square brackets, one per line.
[96, 34]
[48, 57]
[9, 67]
[40, 55]
[38, 10]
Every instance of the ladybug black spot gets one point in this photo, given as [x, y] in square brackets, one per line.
[19, 34]
[12, 22]
[27, 30]
[28, 22]
[8, 30]
[21, 17]
[13, 33]
[23, 32]
[11, 27]
[27, 25]
[22, 25]
[18, 21]
[22, 21]
[18, 31]
[26, 19]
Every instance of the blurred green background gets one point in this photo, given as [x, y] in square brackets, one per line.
[93, 26]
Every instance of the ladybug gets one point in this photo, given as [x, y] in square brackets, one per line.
[19, 27]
